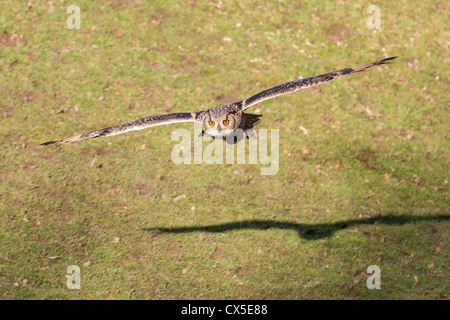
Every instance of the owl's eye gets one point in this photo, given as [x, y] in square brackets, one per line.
[226, 122]
[211, 123]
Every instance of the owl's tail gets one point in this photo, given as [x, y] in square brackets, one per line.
[251, 120]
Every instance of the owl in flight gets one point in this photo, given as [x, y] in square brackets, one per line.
[222, 121]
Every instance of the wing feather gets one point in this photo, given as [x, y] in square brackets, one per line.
[139, 124]
[296, 85]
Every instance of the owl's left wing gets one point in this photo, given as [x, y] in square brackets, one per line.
[293, 86]
[143, 123]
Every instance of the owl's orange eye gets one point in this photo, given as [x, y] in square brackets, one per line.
[211, 123]
[226, 122]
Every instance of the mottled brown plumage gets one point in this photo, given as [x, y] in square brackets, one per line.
[222, 121]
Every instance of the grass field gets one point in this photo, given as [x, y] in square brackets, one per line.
[366, 182]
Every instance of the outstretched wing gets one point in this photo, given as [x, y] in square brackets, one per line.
[293, 86]
[139, 124]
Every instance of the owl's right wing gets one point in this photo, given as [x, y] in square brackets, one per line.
[143, 123]
[293, 86]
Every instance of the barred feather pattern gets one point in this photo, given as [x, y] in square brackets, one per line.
[139, 124]
[296, 85]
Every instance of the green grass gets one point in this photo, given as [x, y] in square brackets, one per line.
[308, 232]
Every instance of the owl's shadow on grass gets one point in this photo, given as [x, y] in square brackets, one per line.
[307, 231]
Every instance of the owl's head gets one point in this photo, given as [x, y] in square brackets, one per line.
[221, 125]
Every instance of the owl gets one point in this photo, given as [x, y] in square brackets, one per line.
[223, 121]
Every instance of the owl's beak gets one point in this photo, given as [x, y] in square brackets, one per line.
[214, 132]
